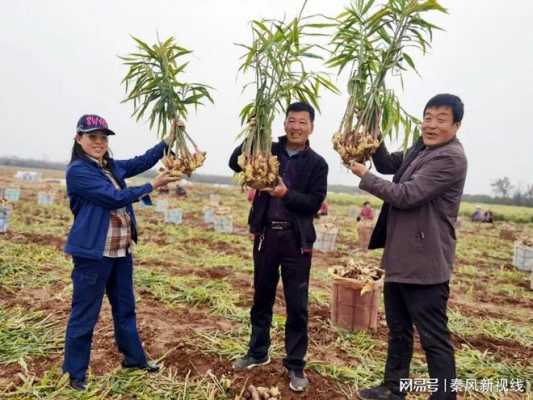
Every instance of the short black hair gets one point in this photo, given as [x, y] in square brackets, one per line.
[366, 202]
[447, 100]
[301, 106]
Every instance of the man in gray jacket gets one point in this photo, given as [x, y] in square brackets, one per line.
[420, 210]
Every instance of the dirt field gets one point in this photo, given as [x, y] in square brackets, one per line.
[194, 291]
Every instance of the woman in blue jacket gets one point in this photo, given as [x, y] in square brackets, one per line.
[100, 244]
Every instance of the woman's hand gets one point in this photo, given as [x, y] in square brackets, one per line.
[164, 178]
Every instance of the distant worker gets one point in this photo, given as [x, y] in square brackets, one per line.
[180, 191]
[477, 216]
[488, 217]
[367, 213]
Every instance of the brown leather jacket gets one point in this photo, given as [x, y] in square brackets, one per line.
[423, 208]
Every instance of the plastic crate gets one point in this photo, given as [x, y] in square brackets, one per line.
[523, 257]
[161, 206]
[12, 194]
[223, 223]
[174, 216]
[326, 239]
[214, 200]
[209, 215]
[5, 213]
[45, 199]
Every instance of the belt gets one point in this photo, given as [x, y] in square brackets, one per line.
[279, 225]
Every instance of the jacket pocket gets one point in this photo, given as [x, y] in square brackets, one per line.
[420, 234]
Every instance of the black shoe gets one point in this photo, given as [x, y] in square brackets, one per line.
[297, 380]
[78, 384]
[249, 362]
[148, 367]
[380, 392]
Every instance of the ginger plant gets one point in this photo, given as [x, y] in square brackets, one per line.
[276, 58]
[154, 85]
[374, 42]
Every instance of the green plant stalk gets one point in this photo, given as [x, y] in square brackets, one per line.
[375, 108]
[272, 55]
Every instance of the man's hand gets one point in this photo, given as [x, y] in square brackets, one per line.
[278, 191]
[358, 169]
[163, 179]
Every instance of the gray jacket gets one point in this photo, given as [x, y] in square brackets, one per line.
[424, 204]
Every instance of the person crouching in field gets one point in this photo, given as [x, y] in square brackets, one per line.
[416, 227]
[282, 221]
[100, 244]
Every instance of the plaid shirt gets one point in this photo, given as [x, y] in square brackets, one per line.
[118, 239]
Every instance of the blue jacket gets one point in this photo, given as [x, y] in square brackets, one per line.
[92, 197]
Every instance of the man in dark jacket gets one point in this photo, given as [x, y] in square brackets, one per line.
[419, 215]
[281, 219]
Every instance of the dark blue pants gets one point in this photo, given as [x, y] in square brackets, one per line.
[91, 279]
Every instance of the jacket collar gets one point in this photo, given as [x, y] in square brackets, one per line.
[93, 161]
[97, 162]
[282, 141]
[452, 140]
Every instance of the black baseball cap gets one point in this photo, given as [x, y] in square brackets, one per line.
[91, 122]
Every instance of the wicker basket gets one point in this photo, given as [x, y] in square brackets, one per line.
[364, 232]
[352, 310]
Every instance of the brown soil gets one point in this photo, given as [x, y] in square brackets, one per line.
[169, 333]
[36, 238]
[503, 350]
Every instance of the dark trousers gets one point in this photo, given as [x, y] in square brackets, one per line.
[280, 248]
[91, 279]
[423, 306]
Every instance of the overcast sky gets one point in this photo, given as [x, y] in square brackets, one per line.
[59, 60]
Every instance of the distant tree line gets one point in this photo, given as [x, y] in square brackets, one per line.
[504, 191]
[29, 163]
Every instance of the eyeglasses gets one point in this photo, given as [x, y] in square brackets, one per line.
[93, 137]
